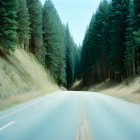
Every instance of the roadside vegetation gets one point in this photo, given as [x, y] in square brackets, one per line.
[22, 78]
[37, 51]
[38, 29]
[33, 39]
[128, 89]
[111, 47]
[110, 55]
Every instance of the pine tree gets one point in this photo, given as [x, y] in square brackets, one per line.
[36, 41]
[23, 24]
[93, 51]
[54, 43]
[8, 24]
[100, 48]
[70, 55]
[86, 53]
[119, 10]
[129, 61]
[77, 63]
[136, 33]
[111, 47]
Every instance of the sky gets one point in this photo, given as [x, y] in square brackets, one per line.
[77, 13]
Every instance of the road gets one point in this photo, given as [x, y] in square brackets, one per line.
[65, 115]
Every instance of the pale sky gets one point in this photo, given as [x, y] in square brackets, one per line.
[77, 13]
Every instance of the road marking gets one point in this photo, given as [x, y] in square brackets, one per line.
[7, 125]
[27, 106]
[83, 131]
[20, 109]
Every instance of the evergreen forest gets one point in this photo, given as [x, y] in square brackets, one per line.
[110, 48]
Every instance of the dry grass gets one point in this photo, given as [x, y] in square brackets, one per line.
[14, 100]
[128, 89]
[20, 76]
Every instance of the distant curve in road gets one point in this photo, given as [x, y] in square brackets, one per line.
[73, 115]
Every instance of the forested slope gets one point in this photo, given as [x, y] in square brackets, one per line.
[34, 42]
[111, 47]
[38, 29]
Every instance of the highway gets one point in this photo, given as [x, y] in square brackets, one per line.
[72, 115]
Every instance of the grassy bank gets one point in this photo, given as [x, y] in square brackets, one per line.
[22, 78]
[129, 89]
[21, 98]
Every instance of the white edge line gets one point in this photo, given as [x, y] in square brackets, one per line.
[22, 108]
[7, 125]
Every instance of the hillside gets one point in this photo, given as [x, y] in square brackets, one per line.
[128, 89]
[21, 74]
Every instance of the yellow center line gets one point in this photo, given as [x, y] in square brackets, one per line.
[83, 131]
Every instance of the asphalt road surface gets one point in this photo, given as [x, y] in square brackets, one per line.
[71, 115]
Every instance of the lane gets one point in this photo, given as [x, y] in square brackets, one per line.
[22, 109]
[111, 118]
[83, 131]
[52, 121]
[72, 116]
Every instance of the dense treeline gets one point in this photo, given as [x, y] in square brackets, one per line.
[26, 24]
[111, 47]
[71, 54]
[36, 40]
[54, 43]
[8, 24]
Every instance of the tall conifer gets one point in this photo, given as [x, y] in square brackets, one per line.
[54, 43]
[23, 24]
[8, 24]
[36, 41]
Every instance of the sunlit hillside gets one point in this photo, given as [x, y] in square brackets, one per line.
[21, 73]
